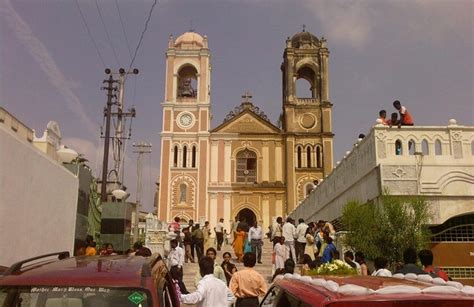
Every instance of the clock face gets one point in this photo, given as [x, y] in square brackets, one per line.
[186, 120]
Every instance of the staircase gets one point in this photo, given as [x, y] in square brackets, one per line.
[190, 269]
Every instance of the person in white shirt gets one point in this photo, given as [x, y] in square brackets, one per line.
[380, 264]
[210, 291]
[256, 240]
[281, 253]
[176, 258]
[276, 230]
[219, 229]
[218, 270]
[289, 233]
[349, 259]
[300, 239]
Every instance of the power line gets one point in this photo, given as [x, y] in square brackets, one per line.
[142, 35]
[90, 34]
[123, 29]
[107, 32]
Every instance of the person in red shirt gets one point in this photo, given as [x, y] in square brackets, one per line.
[426, 259]
[405, 117]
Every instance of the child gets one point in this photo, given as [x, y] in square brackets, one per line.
[405, 117]
[281, 253]
[393, 121]
[383, 117]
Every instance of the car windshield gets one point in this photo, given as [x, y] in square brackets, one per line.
[68, 296]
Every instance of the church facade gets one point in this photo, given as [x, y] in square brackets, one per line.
[247, 167]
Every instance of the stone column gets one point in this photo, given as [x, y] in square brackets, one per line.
[214, 161]
[227, 214]
[213, 209]
[265, 212]
[227, 161]
[266, 162]
[278, 161]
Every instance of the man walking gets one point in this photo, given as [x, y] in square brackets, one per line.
[176, 258]
[248, 285]
[206, 231]
[256, 240]
[219, 229]
[300, 239]
[210, 292]
[198, 239]
[289, 232]
[218, 270]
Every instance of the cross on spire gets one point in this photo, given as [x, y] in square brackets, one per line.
[191, 28]
[246, 96]
[304, 27]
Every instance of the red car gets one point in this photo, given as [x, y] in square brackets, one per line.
[359, 291]
[84, 281]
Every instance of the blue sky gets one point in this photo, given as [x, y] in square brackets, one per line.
[420, 52]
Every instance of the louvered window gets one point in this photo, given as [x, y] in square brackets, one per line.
[246, 170]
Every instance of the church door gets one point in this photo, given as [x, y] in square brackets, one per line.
[246, 218]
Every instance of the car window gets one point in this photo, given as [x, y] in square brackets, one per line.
[270, 298]
[79, 297]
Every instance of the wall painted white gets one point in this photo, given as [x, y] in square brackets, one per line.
[444, 176]
[38, 201]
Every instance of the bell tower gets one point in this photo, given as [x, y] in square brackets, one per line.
[185, 130]
[306, 117]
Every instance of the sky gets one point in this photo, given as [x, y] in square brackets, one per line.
[51, 68]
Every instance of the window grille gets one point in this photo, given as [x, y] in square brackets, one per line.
[463, 233]
[460, 272]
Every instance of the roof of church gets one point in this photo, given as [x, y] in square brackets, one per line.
[190, 38]
[303, 37]
[247, 107]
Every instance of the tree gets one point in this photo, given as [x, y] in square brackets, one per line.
[387, 227]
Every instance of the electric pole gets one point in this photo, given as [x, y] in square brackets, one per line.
[140, 148]
[118, 137]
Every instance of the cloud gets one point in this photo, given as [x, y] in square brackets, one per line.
[345, 22]
[91, 151]
[41, 55]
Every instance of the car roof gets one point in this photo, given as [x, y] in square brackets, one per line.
[308, 291]
[111, 271]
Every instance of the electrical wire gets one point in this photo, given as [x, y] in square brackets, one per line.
[107, 33]
[142, 35]
[90, 34]
[123, 29]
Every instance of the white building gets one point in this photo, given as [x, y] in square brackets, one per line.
[38, 196]
[436, 162]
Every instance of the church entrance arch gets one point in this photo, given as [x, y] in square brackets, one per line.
[246, 218]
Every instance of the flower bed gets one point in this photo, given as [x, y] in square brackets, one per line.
[336, 267]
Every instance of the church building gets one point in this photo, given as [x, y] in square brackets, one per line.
[247, 167]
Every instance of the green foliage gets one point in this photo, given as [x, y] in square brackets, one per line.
[388, 227]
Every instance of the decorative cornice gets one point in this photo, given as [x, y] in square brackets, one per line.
[246, 106]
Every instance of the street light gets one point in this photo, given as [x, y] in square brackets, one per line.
[120, 194]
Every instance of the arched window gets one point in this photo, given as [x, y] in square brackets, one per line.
[193, 160]
[187, 82]
[438, 151]
[183, 189]
[319, 157]
[424, 148]
[185, 155]
[175, 156]
[298, 157]
[398, 148]
[246, 168]
[308, 156]
[411, 147]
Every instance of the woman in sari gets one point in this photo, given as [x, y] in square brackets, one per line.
[238, 243]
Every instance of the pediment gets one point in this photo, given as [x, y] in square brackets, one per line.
[247, 122]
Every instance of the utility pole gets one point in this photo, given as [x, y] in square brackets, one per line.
[118, 136]
[107, 113]
[140, 148]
